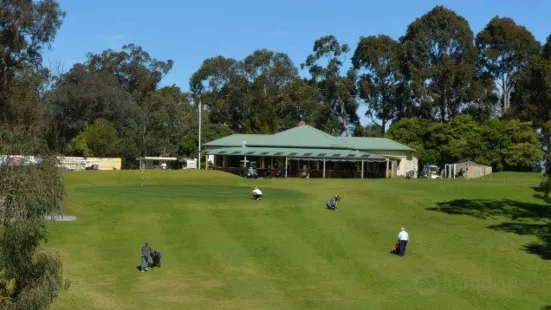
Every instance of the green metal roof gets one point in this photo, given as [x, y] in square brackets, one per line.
[375, 144]
[308, 137]
[237, 140]
[301, 136]
[296, 153]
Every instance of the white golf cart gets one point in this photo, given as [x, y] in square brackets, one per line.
[433, 172]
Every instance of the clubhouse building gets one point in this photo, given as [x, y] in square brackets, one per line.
[304, 148]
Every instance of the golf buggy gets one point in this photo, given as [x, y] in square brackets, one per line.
[433, 172]
[250, 170]
[430, 172]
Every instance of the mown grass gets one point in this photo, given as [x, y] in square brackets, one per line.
[474, 244]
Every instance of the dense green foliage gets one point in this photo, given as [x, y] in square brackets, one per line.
[99, 139]
[221, 249]
[30, 276]
[505, 144]
[122, 88]
[546, 138]
[260, 94]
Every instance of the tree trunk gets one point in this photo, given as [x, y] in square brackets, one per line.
[506, 93]
[507, 99]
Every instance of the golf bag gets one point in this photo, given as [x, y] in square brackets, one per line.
[156, 257]
[396, 248]
[332, 203]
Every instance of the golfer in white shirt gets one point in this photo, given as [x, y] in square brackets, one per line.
[403, 238]
[257, 194]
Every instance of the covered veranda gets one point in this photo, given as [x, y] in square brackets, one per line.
[319, 163]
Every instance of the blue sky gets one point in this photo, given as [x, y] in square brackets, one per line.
[190, 31]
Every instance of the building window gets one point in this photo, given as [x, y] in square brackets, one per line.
[233, 161]
[218, 161]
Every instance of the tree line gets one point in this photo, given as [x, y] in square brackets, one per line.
[112, 104]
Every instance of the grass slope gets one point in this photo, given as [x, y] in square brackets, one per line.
[474, 244]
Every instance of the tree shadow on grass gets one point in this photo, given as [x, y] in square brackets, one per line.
[486, 208]
[541, 194]
[547, 199]
[524, 219]
[542, 231]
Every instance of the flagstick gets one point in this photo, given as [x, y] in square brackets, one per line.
[142, 172]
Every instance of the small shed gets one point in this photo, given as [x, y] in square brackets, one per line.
[189, 163]
[476, 170]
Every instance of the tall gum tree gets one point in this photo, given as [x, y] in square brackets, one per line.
[505, 49]
[338, 91]
[439, 61]
[376, 61]
[531, 99]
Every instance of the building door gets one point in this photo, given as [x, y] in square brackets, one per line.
[394, 169]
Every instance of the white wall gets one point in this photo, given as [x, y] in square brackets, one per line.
[408, 160]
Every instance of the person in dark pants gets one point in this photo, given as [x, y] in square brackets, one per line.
[146, 251]
[403, 238]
